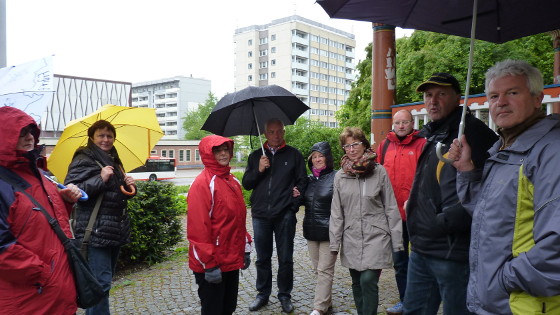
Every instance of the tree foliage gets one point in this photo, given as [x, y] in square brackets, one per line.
[195, 119]
[305, 133]
[424, 53]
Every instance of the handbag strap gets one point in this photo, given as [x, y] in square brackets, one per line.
[11, 179]
[89, 228]
[92, 218]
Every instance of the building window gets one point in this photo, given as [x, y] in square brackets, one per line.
[263, 52]
[263, 40]
[249, 78]
[196, 155]
[163, 153]
[153, 152]
[263, 76]
[263, 64]
[273, 50]
[250, 54]
[181, 156]
[273, 37]
[188, 155]
[250, 42]
[250, 66]
[273, 62]
[273, 74]
[171, 154]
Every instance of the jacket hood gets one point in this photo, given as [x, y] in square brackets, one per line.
[14, 120]
[207, 156]
[324, 148]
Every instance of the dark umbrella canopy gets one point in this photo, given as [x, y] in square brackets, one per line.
[498, 21]
[236, 112]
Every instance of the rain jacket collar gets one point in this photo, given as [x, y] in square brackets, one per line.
[392, 136]
[15, 120]
[207, 156]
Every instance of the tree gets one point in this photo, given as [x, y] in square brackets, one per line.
[304, 133]
[194, 120]
[424, 53]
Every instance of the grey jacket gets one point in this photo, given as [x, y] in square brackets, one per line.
[515, 239]
[365, 224]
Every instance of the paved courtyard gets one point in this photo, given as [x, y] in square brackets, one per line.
[169, 287]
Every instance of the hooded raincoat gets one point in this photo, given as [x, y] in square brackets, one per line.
[515, 239]
[365, 225]
[35, 277]
[216, 214]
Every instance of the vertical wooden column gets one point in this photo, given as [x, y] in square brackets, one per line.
[384, 83]
[556, 46]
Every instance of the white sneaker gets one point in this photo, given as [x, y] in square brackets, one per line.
[315, 312]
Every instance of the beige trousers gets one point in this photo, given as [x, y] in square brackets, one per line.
[323, 264]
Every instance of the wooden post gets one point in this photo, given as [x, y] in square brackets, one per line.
[384, 81]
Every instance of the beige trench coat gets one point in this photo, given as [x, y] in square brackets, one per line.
[365, 224]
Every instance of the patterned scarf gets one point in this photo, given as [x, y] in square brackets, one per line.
[363, 167]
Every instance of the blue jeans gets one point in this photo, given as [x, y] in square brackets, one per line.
[433, 280]
[400, 263]
[284, 230]
[102, 261]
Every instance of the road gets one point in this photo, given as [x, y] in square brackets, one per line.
[186, 176]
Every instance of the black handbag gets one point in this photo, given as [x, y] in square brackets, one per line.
[88, 289]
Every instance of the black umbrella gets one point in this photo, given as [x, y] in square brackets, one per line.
[246, 111]
[499, 21]
[495, 21]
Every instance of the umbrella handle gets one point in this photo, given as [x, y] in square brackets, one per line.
[439, 147]
[132, 191]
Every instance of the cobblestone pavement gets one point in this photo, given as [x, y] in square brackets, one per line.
[169, 287]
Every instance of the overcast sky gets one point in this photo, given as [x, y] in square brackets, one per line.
[143, 40]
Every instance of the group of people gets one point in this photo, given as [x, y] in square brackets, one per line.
[478, 235]
[35, 276]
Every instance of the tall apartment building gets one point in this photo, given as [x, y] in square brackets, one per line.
[312, 60]
[172, 98]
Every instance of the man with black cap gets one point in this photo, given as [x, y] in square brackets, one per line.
[438, 225]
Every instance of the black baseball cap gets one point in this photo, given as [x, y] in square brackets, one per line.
[440, 78]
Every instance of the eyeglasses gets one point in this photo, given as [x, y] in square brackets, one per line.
[402, 122]
[347, 147]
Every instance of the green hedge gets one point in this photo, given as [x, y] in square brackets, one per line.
[156, 223]
[246, 193]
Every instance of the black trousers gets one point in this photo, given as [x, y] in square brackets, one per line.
[220, 298]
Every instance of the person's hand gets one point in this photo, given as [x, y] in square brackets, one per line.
[106, 173]
[295, 192]
[129, 180]
[246, 260]
[213, 275]
[264, 163]
[71, 193]
[460, 152]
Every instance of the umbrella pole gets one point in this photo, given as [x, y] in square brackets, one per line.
[440, 145]
[258, 129]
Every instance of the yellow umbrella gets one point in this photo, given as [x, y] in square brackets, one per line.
[137, 129]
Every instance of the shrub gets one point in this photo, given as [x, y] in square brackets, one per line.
[246, 193]
[156, 226]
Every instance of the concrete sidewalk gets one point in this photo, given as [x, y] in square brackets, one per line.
[169, 287]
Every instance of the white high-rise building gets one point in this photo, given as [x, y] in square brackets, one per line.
[172, 98]
[312, 60]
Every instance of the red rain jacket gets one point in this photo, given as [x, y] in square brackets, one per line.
[216, 214]
[35, 277]
[400, 162]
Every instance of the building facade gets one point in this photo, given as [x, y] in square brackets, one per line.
[314, 61]
[172, 98]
